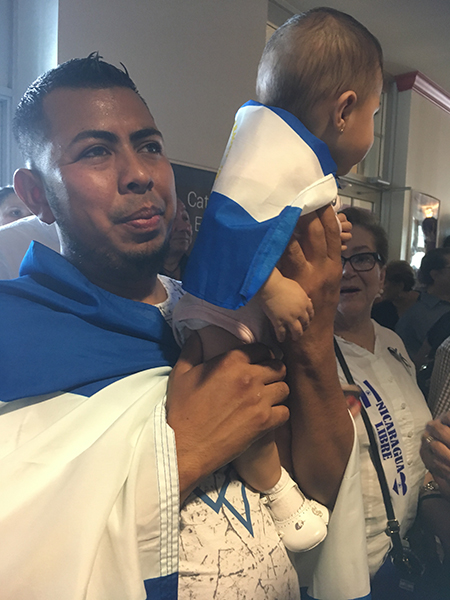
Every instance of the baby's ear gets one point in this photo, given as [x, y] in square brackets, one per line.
[30, 189]
[343, 108]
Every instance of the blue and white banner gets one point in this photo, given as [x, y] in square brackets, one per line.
[273, 170]
[390, 444]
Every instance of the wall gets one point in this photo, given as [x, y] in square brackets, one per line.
[35, 24]
[194, 61]
[420, 161]
[428, 164]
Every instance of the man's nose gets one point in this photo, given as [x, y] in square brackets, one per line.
[135, 173]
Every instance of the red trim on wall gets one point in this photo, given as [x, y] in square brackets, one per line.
[425, 87]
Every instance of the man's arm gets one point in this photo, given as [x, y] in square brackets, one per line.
[322, 431]
[218, 408]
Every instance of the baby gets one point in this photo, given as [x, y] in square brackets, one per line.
[319, 84]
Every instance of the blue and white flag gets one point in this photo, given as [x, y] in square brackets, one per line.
[89, 498]
[272, 171]
[100, 337]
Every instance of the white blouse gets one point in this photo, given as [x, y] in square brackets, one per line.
[399, 413]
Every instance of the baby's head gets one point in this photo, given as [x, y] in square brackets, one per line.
[324, 67]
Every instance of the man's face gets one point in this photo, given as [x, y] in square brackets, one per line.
[107, 178]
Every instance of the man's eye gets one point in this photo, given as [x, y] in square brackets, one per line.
[95, 151]
[153, 148]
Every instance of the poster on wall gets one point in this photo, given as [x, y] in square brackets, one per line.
[193, 188]
[423, 226]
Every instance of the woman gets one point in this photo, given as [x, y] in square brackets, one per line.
[398, 294]
[382, 369]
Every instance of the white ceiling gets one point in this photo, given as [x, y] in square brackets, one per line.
[414, 34]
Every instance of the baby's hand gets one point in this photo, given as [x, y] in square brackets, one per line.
[286, 305]
[346, 228]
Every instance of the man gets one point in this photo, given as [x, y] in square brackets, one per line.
[93, 462]
[432, 304]
[179, 243]
[15, 239]
[11, 207]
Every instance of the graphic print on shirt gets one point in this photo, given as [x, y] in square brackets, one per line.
[389, 439]
[216, 505]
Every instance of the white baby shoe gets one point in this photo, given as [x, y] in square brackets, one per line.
[300, 523]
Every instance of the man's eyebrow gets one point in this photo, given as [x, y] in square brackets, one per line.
[97, 134]
[144, 133]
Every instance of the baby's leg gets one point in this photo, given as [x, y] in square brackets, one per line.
[260, 465]
[301, 524]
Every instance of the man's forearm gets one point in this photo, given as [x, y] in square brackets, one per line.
[322, 431]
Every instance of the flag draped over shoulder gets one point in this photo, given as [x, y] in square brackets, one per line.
[84, 337]
[89, 498]
[272, 171]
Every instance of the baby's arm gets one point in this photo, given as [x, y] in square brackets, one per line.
[286, 305]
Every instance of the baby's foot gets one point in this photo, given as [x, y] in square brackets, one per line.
[300, 523]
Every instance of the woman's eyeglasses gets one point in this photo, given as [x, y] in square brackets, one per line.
[362, 262]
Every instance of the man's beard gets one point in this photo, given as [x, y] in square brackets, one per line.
[106, 259]
[134, 264]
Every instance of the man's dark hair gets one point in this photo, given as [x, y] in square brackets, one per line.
[30, 125]
[366, 220]
[5, 192]
[317, 55]
[400, 271]
[433, 260]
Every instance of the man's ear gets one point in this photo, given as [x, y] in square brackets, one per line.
[344, 107]
[30, 189]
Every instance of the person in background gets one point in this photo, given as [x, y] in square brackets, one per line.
[429, 228]
[15, 239]
[398, 294]
[179, 244]
[434, 501]
[415, 323]
[380, 366]
[11, 206]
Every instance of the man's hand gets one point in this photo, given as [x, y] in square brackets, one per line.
[435, 451]
[218, 408]
[313, 260]
[322, 432]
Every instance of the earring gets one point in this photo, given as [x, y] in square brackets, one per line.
[341, 130]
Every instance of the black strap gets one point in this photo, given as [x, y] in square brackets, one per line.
[393, 527]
